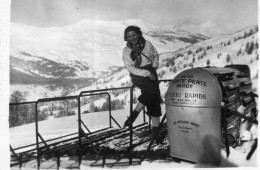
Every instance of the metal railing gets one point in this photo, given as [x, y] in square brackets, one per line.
[80, 122]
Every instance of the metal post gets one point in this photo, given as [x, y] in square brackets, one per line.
[18, 156]
[144, 115]
[150, 124]
[109, 102]
[58, 160]
[20, 160]
[225, 131]
[131, 125]
[104, 160]
[79, 129]
[252, 150]
[37, 141]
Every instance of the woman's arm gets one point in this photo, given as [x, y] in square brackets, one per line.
[155, 55]
[130, 65]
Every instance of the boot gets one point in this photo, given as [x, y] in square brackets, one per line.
[128, 120]
[156, 135]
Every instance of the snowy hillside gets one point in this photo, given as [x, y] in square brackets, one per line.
[218, 51]
[25, 135]
[63, 59]
[238, 48]
[81, 49]
[209, 28]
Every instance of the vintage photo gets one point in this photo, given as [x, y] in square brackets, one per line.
[133, 84]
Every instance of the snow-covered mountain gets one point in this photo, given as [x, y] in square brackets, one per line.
[88, 54]
[238, 48]
[208, 28]
[83, 50]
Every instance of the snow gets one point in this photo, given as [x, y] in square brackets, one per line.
[99, 43]
[25, 134]
[208, 28]
[55, 44]
[22, 70]
[103, 47]
[35, 92]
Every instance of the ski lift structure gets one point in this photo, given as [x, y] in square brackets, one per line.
[236, 89]
[202, 104]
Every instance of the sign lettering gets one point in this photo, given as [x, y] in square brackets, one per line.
[195, 95]
[185, 126]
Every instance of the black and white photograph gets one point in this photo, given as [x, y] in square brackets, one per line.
[129, 84]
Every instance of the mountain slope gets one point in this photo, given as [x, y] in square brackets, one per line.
[215, 52]
[83, 50]
[178, 50]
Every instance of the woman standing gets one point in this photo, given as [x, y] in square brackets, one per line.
[141, 59]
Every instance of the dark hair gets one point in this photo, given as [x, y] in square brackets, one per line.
[132, 28]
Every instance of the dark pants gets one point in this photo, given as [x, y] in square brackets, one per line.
[150, 92]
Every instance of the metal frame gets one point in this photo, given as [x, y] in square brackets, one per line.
[36, 123]
[80, 133]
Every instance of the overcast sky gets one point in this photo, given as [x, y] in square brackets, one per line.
[158, 12]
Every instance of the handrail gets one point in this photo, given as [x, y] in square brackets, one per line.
[30, 102]
[79, 114]
[100, 90]
[56, 99]
[131, 124]
[89, 91]
[109, 100]
[36, 120]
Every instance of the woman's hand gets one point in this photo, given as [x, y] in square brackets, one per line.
[151, 76]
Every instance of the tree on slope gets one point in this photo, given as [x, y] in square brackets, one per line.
[228, 59]
[16, 111]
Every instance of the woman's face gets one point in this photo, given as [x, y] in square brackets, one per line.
[132, 37]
